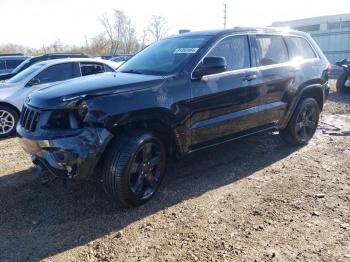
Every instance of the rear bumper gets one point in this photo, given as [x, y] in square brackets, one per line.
[69, 157]
[347, 82]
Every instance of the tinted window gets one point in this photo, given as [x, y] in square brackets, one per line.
[235, 50]
[91, 69]
[108, 69]
[309, 28]
[165, 56]
[333, 25]
[10, 64]
[2, 65]
[118, 59]
[56, 73]
[271, 50]
[299, 48]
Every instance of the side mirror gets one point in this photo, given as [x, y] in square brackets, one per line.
[210, 65]
[33, 82]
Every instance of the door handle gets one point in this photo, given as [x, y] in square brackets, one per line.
[249, 77]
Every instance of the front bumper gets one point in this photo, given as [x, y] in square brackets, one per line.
[70, 156]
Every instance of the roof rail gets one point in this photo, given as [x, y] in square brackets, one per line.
[14, 54]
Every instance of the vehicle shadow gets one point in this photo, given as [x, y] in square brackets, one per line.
[37, 222]
[9, 137]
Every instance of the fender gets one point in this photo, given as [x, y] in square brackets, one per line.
[316, 91]
[159, 120]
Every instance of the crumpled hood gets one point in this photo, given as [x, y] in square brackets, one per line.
[58, 95]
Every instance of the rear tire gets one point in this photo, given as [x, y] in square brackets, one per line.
[134, 168]
[341, 88]
[303, 124]
[8, 121]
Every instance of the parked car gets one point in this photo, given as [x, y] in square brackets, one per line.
[32, 60]
[177, 96]
[14, 91]
[9, 62]
[343, 80]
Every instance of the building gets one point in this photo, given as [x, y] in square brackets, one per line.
[332, 33]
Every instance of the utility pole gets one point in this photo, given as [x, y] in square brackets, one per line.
[225, 16]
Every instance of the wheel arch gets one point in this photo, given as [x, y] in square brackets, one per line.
[2, 103]
[156, 120]
[314, 91]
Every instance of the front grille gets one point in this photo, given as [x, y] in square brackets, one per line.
[29, 119]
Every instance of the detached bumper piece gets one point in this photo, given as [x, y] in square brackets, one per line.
[69, 157]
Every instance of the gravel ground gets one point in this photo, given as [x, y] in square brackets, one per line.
[254, 199]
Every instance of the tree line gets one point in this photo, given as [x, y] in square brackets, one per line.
[119, 36]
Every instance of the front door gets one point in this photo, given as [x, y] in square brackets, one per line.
[220, 103]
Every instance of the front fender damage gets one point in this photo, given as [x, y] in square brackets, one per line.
[70, 157]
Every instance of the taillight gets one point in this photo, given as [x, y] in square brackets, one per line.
[329, 68]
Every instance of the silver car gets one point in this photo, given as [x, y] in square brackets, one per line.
[15, 90]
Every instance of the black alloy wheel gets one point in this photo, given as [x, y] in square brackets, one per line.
[134, 167]
[303, 123]
[145, 170]
[306, 123]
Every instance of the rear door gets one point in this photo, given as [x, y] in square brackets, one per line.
[276, 77]
[221, 102]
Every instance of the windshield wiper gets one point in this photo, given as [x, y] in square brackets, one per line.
[132, 71]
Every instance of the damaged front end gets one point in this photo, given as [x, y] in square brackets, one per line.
[60, 142]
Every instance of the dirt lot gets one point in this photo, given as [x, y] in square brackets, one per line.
[255, 199]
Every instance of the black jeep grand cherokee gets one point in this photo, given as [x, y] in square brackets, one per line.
[179, 95]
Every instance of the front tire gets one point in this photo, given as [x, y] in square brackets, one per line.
[303, 124]
[8, 121]
[134, 168]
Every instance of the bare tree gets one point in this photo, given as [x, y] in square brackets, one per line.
[109, 31]
[97, 45]
[144, 38]
[120, 32]
[157, 27]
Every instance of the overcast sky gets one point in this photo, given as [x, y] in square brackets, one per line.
[37, 22]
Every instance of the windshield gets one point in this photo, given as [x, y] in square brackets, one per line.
[164, 57]
[25, 73]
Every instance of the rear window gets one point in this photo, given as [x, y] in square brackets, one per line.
[91, 69]
[299, 48]
[271, 50]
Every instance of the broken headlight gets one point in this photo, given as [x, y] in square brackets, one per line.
[62, 119]
[59, 120]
